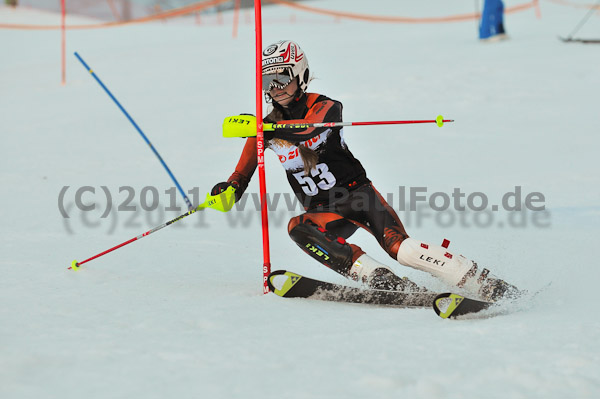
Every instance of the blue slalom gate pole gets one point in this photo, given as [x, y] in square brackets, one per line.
[187, 200]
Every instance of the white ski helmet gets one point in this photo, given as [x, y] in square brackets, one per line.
[281, 63]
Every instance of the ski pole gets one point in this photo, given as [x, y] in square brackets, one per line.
[222, 202]
[584, 20]
[274, 126]
[245, 125]
[187, 200]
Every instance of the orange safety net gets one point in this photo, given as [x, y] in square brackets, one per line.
[403, 20]
[570, 4]
[177, 12]
[196, 7]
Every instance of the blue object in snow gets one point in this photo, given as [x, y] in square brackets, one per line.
[491, 19]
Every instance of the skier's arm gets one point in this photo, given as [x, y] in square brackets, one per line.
[244, 170]
[321, 111]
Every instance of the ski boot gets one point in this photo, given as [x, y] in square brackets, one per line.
[380, 277]
[455, 270]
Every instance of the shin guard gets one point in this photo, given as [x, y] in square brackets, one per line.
[329, 249]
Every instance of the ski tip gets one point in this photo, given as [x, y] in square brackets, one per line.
[270, 277]
[449, 305]
[445, 304]
[74, 265]
[290, 279]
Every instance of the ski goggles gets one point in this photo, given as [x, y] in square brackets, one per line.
[279, 79]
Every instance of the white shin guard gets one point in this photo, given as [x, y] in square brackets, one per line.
[434, 259]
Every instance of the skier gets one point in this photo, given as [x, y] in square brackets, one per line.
[336, 193]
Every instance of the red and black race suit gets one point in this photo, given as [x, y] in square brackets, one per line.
[336, 171]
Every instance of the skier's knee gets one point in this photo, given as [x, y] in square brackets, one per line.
[295, 221]
[393, 238]
[392, 250]
[329, 249]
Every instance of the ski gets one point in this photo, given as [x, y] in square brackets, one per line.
[450, 305]
[584, 41]
[446, 305]
[298, 286]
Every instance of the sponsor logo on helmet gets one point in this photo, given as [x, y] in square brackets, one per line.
[272, 60]
[290, 53]
[270, 50]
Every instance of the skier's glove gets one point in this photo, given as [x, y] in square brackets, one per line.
[221, 187]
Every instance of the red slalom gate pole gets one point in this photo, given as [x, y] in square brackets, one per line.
[63, 42]
[260, 146]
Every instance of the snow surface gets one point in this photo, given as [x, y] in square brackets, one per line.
[181, 313]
